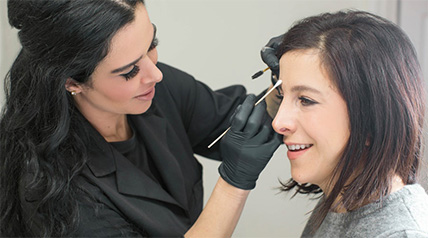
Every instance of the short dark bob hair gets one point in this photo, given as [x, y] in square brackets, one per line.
[374, 66]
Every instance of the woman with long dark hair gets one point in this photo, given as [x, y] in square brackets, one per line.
[97, 137]
[352, 116]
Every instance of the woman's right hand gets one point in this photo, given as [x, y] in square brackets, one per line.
[248, 145]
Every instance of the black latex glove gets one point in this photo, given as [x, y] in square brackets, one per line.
[248, 146]
[269, 56]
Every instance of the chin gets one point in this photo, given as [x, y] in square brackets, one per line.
[141, 109]
[299, 177]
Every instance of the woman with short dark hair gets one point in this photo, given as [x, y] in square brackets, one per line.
[352, 116]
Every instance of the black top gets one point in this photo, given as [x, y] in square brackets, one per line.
[184, 118]
[135, 151]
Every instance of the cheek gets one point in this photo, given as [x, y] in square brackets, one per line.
[106, 87]
[330, 132]
[337, 135]
[120, 91]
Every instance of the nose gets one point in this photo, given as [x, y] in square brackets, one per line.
[151, 72]
[285, 122]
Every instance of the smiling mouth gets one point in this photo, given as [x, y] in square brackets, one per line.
[298, 147]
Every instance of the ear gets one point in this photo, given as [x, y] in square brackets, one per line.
[72, 85]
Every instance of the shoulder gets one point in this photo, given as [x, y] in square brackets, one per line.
[405, 234]
[175, 82]
[412, 200]
[402, 212]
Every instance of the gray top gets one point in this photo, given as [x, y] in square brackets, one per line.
[403, 213]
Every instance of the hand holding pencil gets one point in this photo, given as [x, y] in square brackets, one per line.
[248, 146]
[261, 99]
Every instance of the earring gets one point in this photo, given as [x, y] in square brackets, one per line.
[73, 93]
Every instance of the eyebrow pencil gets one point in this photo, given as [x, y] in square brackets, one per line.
[258, 74]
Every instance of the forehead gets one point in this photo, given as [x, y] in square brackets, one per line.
[304, 67]
[130, 42]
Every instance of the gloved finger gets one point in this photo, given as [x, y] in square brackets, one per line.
[234, 113]
[262, 136]
[267, 120]
[244, 112]
[269, 147]
[275, 42]
[274, 142]
[255, 120]
[268, 55]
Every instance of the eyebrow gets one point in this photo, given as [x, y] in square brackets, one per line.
[126, 66]
[301, 88]
[155, 29]
[115, 71]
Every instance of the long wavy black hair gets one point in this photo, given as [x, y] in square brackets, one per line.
[374, 66]
[41, 130]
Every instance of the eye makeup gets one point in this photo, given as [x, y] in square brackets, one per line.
[131, 74]
[136, 69]
[155, 43]
[306, 101]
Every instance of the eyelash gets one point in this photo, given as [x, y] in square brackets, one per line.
[134, 71]
[304, 100]
[155, 43]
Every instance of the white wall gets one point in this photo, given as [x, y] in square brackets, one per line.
[9, 46]
[413, 18]
[218, 42]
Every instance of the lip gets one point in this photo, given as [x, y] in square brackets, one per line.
[147, 96]
[293, 155]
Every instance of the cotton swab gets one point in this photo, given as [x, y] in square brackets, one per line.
[259, 101]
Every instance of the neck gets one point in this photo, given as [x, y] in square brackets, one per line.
[112, 128]
[397, 184]
[117, 131]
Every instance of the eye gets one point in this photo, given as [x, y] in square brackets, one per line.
[306, 101]
[155, 43]
[134, 71]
